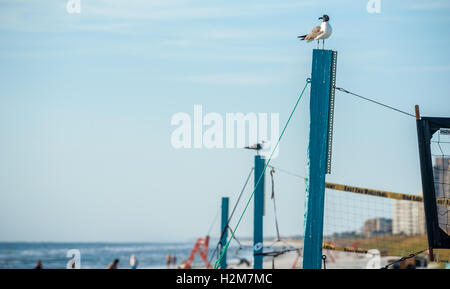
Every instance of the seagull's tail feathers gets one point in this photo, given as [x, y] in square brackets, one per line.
[302, 37]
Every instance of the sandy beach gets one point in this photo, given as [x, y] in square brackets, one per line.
[291, 260]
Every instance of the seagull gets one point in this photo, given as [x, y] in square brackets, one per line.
[323, 31]
[257, 147]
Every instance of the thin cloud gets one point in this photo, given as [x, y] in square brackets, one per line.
[431, 5]
[426, 68]
[113, 27]
[184, 10]
[231, 79]
[20, 15]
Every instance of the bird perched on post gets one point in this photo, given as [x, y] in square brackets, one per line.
[323, 31]
[257, 147]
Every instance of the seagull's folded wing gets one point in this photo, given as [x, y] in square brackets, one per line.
[314, 33]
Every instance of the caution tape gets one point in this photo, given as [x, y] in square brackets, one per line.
[383, 194]
[443, 202]
[328, 246]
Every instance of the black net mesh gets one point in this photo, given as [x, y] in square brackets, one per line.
[440, 151]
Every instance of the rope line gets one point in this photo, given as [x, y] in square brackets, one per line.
[213, 222]
[240, 195]
[236, 239]
[272, 171]
[403, 259]
[278, 238]
[231, 215]
[276, 253]
[217, 264]
[289, 173]
[373, 101]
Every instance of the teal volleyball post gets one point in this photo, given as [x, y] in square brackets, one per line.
[224, 231]
[258, 213]
[321, 111]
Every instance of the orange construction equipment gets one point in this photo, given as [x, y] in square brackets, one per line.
[201, 246]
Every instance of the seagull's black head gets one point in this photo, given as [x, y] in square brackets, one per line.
[325, 18]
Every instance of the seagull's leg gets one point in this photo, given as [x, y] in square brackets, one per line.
[323, 44]
[318, 41]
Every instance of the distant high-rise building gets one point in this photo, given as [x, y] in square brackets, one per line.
[441, 172]
[378, 226]
[408, 218]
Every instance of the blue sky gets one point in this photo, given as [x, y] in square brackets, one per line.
[86, 102]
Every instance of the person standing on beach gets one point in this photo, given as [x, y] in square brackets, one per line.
[133, 262]
[38, 265]
[114, 264]
[174, 261]
[168, 260]
[71, 264]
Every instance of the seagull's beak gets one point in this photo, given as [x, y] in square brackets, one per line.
[320, 18]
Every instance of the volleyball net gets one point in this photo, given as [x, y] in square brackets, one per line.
[367, 228]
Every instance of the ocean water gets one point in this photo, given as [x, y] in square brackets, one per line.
[99, 255]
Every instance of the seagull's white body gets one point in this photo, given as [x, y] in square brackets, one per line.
[325, 29]
[320, 32]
